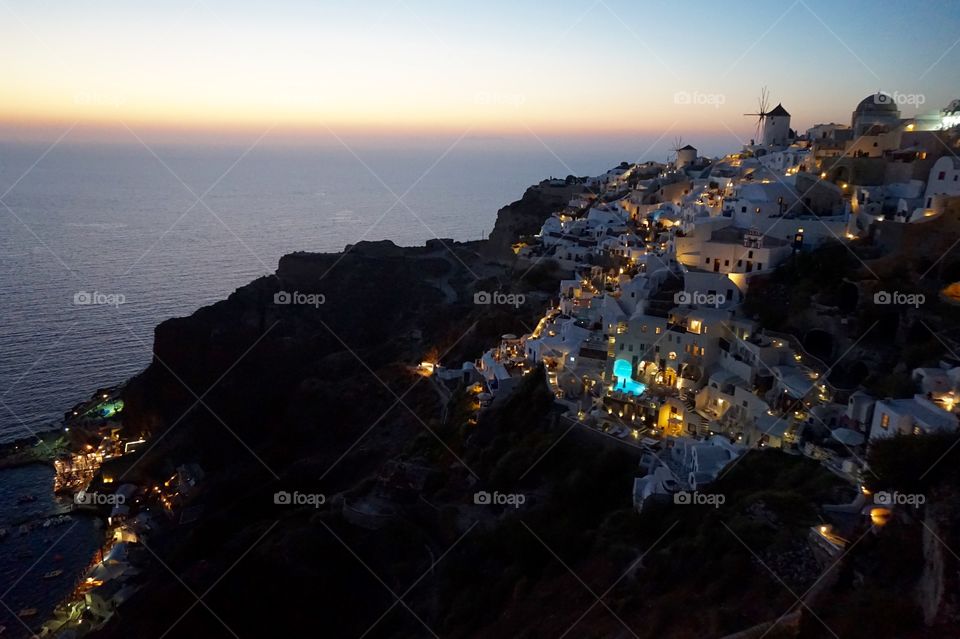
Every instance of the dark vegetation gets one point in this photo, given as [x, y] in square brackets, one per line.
[825, 297]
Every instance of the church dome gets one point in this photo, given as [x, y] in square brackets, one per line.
[877, 102]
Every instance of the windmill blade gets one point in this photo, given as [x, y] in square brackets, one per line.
[764, 101]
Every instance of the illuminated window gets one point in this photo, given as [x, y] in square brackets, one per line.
[658, 330]
[885, 420]
[916, 430]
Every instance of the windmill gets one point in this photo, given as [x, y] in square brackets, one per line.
[763, 102]
[677, 145]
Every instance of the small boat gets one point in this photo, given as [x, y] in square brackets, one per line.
[47, 522]
[52, 574]
[27, 612]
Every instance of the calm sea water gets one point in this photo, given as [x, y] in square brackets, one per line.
[27, 555]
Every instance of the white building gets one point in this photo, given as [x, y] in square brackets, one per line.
[914, 416]
[658, 484]
[686, 156]
[776, 127]
[944, 179]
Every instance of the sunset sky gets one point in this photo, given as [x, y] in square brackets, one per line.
[406, 67]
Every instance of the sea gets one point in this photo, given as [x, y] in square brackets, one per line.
[100, 242]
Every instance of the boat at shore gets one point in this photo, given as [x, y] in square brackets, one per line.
[52, 574]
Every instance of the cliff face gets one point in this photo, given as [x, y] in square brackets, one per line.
[283, 345]
[526, 216]
[938, 589]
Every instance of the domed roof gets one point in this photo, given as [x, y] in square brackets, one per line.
[878, 101]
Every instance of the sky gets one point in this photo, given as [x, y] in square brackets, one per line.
[405, 69]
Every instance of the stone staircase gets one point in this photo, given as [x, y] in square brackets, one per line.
[689, 402]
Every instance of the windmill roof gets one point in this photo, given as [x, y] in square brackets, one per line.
[778, 110]
[687, 148]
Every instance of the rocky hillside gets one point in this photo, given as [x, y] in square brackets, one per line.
[526, 216]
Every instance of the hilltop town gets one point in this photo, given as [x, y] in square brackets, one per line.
[765, 336]
[651, 341]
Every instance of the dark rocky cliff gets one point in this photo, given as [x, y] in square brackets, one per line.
[526, 216]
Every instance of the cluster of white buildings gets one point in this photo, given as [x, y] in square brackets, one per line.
[646, 341]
